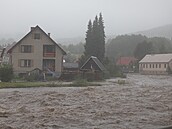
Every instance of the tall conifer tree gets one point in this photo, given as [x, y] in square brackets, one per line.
[88, 39]
[95, 39]
[101, 38]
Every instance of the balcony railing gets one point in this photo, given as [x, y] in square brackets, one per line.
[49, 54]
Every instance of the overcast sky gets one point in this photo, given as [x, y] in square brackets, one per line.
[69, 18]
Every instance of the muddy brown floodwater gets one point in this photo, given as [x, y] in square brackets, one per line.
[144, 102]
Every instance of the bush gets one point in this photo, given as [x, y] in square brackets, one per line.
[120, 74]
[6, 73]
[80, 82]
[121, 82]
[114, 71]
[33, 77]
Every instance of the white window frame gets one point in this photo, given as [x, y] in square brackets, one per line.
[24, 49]
[25, 63]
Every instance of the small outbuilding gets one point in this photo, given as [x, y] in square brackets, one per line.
[93, 69]
[70, 71]
[70, 67]
[127, 64]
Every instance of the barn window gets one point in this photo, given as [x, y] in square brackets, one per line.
[156, 65]
[165, 65]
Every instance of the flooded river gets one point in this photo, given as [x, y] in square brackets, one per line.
[143, 102]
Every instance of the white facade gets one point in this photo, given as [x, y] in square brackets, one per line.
[31, 52]
[156, 64]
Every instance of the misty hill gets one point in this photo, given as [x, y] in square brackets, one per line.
[77, 40]
[162, 31]
[67, 41]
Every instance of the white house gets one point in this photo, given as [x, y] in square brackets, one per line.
[36, 50]
[156, 64]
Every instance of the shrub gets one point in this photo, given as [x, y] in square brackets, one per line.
[80, 82]
[121, 82]
[6, 73]
[120, 74]
[114, 71]
[32, 77]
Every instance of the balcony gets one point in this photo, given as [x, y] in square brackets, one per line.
[49, 54]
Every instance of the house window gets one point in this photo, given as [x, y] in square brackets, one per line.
[37, 36]
[26, 48]
[159, 65]
[49, 64]
[49, 50]
[25, 63]
[153, 65]
[150, 65]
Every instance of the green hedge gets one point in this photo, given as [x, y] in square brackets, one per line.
[6, 73]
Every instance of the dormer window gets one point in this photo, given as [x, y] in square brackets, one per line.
[37, 36]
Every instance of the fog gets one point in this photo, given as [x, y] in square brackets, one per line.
[69, 18]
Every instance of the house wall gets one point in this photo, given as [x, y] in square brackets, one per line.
[154, 68]
[170, 65]
[36, 55]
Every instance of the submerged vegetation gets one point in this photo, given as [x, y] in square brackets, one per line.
[21, 84]
[78, 83]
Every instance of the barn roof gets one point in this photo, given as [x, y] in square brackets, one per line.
[159, 58]
[96, 61]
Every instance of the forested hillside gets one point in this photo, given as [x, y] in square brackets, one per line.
[161, 31]
[125, 45]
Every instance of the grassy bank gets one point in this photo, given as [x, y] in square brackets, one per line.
[21, 84]
[45, 84]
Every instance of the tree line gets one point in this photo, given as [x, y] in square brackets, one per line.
[137, 46]
[125, 45]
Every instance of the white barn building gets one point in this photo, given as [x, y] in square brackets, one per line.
[156, 64]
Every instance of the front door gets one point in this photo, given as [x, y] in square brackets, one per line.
[49, 64]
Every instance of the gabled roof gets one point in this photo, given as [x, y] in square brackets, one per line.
[33, 28]
[96, 61]
[159, 58]
[125, 60]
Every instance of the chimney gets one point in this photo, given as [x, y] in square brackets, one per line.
[32, 28]
[49, 34]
